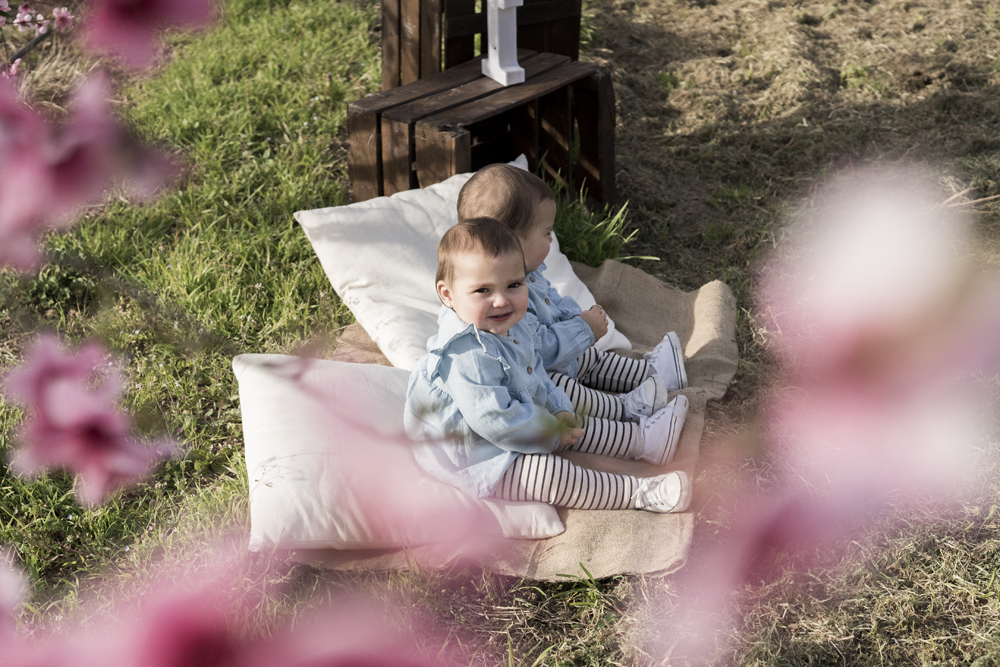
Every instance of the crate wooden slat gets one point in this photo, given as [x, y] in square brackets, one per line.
[594, 109]
[390, 44]
[410, 43]
[511, 96]
[555, 129]
[430, 32]
[457, 48]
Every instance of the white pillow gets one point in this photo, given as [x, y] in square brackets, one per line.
[330, 467]
[381, 256]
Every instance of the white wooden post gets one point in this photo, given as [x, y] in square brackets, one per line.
[501, 22]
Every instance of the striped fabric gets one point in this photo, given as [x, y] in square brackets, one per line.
[554, 480]
[589, 402]
[609, 438]
[611, 372]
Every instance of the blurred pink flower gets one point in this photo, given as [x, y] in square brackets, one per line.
[48, 173]
[128, 28]
[187, 620]
[41, 25]
[193, 629]
[62, 19]
[74, 424]
[25, 8]
[23, 178]
[11, 591]
[4, 6]
[23, 20]
[878, 323]
[873, 315]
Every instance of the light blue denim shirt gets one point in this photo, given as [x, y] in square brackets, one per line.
[562, 337]
[476, 400]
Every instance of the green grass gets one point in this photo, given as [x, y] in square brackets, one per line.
[176, 288]
[590, 237]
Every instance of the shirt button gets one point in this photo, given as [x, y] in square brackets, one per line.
[547, 300]
[531, 278]
[529, 370]
[515, 342]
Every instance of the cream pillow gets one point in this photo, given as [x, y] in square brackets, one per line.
[381, 256]
[330, 467]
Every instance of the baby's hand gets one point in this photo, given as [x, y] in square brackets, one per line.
[597, 319]
[571, 432]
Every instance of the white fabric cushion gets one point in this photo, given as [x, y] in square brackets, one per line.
[330, 467]
[381, 256]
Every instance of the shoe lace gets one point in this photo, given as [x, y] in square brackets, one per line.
[656, 416]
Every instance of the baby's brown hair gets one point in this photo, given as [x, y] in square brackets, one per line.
[503, 192]
[484, 234]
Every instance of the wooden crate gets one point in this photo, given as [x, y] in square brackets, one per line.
[419, 37]
[459, 121]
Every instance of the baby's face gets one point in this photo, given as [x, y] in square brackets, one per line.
[488, 292]
[536, 241]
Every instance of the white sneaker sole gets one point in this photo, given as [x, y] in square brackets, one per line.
[680, 406]
[675, 364]
[686, 493]
[682, 503]
[678, 357]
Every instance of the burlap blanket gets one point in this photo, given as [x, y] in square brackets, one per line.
[604, 542]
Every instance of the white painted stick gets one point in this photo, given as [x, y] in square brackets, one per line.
[501, 22]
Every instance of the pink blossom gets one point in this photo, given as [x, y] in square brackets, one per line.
[4, 6]
[41, 25]
[74, 424]
[93, 149]
[23, 21]
[24, 178]
[48, 172]
[63, 20]
[128, 28]
[188, 620]
[189, 629]
[9, 71]
[877, 321]
[11, 591]
[25, 8]
[872, 313]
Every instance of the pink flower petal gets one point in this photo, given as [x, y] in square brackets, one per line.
[74, 424]
[128, 28]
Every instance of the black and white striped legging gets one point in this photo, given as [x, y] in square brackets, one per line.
[609, 372]
[603, 419]
[589, 402]
[552, 479]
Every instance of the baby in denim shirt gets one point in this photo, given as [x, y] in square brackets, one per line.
[483, 413]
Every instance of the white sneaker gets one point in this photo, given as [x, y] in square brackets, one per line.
[661, 432]
[646, 399]
[667, 358]
[666, 493]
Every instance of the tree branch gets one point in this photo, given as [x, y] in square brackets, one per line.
[29, 46]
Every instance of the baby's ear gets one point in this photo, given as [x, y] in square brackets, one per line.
[444, 293]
